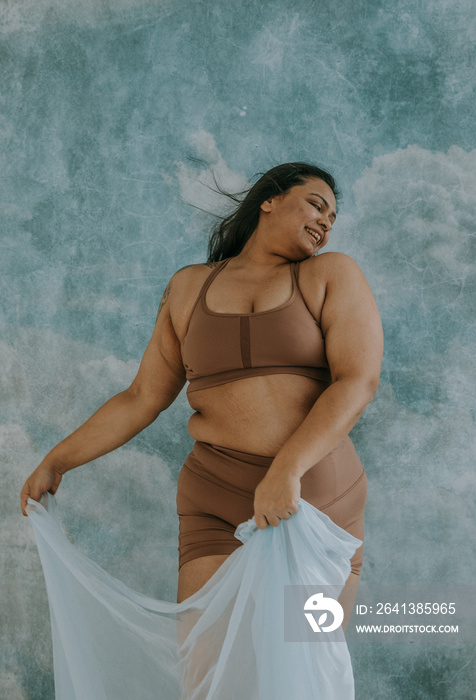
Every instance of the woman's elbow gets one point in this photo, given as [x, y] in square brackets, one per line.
[366, 384]
[155, 399]
[364, 387]
[371, 386]
[145, 404]
[366, 391]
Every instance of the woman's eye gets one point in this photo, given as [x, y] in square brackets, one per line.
[318, 206]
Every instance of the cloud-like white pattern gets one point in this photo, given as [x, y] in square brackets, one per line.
[412, 233]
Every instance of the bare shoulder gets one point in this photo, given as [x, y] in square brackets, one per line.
[322, 271]
[195, 271]
[182, 291]
[326, 275]
[188, 279]
[330, 266]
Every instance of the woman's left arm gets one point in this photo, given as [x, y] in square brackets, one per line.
[351, 325]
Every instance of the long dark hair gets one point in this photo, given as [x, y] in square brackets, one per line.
[231, 233]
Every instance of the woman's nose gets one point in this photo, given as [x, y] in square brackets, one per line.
[324, 221]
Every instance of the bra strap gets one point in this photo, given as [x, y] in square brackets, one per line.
[207, 283]
[295, 266]
[212, 276]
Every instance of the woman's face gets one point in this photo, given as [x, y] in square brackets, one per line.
[301, 219]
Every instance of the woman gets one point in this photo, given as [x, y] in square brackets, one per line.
[282, 349]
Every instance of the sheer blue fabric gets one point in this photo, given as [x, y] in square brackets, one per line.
[225, 642]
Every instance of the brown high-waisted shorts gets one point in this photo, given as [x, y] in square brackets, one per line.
[215, 493]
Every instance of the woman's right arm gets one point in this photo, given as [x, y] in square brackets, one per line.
[160, 379]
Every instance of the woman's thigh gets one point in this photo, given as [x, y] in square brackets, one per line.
[195, 573]
[337, 486]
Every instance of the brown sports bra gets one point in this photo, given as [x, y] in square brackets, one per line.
[220, 347]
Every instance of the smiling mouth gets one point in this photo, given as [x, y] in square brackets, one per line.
[317, 236]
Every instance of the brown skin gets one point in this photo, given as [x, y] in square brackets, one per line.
[285, 416]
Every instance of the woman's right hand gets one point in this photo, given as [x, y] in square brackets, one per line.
[44, 478]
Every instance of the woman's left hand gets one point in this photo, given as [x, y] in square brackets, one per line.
[276, 498]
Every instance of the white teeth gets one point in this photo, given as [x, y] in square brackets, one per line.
[316, 236]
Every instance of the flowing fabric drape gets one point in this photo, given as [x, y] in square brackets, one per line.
[225, 642]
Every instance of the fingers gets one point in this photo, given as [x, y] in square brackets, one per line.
[262, 521]
[24, 496]
[28, 491]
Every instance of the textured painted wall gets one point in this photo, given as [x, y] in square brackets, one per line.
[101, 112]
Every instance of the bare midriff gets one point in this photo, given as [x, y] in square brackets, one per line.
[254, 414]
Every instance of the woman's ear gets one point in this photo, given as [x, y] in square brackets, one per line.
[267, 205]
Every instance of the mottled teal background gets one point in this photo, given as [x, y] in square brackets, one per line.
[103, 109]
